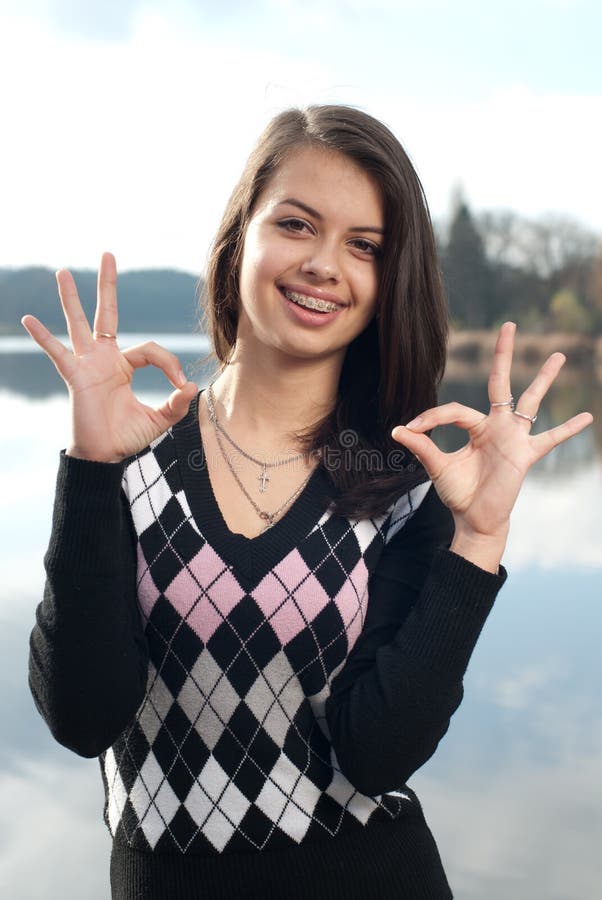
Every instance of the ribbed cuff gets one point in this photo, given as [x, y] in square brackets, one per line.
[87, 521]
[445, 624]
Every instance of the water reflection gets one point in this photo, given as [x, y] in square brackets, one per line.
[526, 832]
[26, 371]
[29, 374]
[51, 812]
[515, 789]
[575, 391]
[514, 792]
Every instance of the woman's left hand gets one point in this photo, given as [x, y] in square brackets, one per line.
[480, 482]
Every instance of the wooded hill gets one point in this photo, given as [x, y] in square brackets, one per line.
[155, 301]
[545, 274]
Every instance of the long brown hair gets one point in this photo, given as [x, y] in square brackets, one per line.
[391, 371]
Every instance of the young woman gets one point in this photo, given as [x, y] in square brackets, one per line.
[262, 599]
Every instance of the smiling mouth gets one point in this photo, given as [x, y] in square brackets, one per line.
[315, 303]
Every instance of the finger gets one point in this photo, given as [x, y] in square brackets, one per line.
[77, 324]
[499, 378]
[58, 353]
[152, 354]
[176, 405]
[530, 400]
[447, 414]
[423, 449]
[105, 318]
[547, 440]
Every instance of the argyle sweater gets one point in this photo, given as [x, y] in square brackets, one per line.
[252, 697]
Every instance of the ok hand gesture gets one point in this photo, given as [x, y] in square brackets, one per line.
[108, 422]
[480, 482]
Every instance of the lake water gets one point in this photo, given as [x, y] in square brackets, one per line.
[514, 792]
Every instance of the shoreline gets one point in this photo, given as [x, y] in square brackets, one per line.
[471, 351]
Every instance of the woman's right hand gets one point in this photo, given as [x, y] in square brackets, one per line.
[108, 422]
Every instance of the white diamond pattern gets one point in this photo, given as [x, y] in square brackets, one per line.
[346, 795]
[247, 708]
[366, 530]
[216, 804]
[295, 785]
[153, 799]
[405, 506]
[218, 829]
[272, 801]
[148, 490]
[294, 822]
[186, 511]
[117, 792]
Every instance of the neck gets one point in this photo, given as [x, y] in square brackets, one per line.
[267, 402]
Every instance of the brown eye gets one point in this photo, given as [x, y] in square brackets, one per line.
[367, 247]
[294, 225]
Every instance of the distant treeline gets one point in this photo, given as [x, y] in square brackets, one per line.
[545, 274]
[150, 300]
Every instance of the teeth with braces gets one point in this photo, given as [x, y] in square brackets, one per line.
[311, 302]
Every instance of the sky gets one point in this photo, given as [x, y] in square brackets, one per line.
[125, 123]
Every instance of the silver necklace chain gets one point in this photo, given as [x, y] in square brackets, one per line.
[263, 514]
[263, 464]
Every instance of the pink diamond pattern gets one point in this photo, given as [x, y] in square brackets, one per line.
[204, 592]
[148, 592]
[352, 600]
[290, 596]
[243, 702]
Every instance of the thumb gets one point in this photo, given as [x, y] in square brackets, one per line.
[177, 404]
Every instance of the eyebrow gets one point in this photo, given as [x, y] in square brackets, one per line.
[316, 215]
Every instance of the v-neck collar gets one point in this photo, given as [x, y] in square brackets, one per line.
[250, 557]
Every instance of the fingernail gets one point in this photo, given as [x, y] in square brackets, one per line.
[182, 380]
[415, 422]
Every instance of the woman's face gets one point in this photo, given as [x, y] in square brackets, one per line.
[310, 266]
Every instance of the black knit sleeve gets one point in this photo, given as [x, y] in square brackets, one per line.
[88, 656]
[391, 704]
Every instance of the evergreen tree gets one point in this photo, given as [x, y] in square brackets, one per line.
[467, 273]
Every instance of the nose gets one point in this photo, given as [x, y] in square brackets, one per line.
[322, 263]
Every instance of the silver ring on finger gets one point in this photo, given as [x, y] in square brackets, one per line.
[105, 334]
[523, 415]
[509, 402]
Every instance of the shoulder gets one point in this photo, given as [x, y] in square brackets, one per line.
[161, 456]
[419, 525]
[147, 466]
[419, 510]
[405, 507]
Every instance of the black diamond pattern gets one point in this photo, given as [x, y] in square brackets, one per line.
[228, 748]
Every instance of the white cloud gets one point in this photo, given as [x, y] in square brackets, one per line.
[519, 690]
[131, 147]
[135, 146]
[517, 149]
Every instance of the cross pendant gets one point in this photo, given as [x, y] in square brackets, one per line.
[264, 477]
